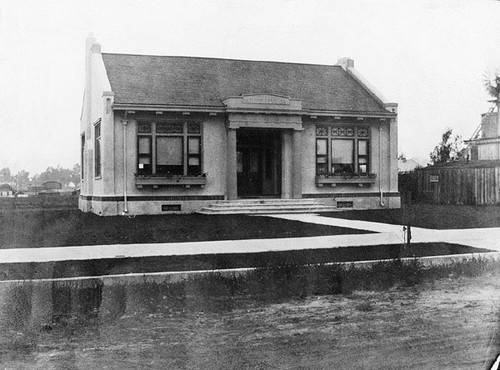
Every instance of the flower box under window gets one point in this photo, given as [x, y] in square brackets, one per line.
[345, 179]
[156, 181]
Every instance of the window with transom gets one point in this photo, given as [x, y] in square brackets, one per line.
[342, 150]
[169, 148]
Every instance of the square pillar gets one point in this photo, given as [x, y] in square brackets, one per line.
[297, 164]
[286, 164]
[393, 155]
[231, 175]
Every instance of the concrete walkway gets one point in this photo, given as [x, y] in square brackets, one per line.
[479, 238]
[385, 234]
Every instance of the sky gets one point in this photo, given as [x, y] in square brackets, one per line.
[431, 57]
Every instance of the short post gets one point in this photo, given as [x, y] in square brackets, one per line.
[408, 234]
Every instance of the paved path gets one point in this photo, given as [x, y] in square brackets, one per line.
[385, 234]
[480, 237]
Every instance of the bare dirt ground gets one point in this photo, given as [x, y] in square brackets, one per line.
[448, 324]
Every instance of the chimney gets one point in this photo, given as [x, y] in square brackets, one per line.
[91, 47]
[346, 63]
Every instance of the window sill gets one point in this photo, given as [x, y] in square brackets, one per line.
[156, 181]
[355, 180]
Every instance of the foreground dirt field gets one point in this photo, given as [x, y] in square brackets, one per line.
[449, 324]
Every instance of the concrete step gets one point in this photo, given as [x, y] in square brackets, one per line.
[207, 211]
[266, 206]
[265, 200]
[256, 205]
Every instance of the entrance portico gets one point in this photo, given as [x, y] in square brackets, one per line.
[263, 147]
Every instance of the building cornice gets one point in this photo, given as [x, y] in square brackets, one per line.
[218, 109]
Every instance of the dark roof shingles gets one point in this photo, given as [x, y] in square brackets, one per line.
[151, 80]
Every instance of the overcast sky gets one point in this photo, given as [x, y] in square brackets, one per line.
[428, 56]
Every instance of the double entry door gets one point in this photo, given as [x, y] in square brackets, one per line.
[258, 163]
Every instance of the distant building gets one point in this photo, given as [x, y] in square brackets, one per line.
[475, 178]
[49, 187]
[6, 190]
[485, 145]
[34, 190]
[176, 134]
[406, 165]
[52, 187]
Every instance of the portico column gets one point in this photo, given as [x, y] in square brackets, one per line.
[231, 179]
[297, 165]
[286, 164]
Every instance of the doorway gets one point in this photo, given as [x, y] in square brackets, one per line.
[258, 153]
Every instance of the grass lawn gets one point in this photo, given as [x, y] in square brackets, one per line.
[54, 228]
[429, 216]
[31, 228]
[112, 266]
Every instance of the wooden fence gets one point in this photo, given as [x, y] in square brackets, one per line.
[460, 185]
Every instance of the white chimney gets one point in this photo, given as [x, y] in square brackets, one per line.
[346, 63]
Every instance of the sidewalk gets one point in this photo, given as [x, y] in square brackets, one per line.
[479, 238]
[385, 234]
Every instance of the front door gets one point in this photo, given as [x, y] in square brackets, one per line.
[258, 163]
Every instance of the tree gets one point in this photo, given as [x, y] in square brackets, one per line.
[75, 174]
[5, 175]
[448, 149]
[492, 85]
[22, 179]
[62, 175]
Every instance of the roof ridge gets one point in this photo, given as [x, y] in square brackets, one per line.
[227, 59]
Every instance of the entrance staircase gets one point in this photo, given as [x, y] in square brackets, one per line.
[266, 206]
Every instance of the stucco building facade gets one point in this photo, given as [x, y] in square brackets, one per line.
[166, 134]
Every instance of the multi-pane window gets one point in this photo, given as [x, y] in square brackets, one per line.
[97, 149]
[169, 148]
[342, 150]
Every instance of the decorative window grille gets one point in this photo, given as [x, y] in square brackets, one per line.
[342, 150]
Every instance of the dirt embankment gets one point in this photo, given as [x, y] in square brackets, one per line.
[449, 324]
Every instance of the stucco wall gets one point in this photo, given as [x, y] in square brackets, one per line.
[94, 108]
[213, 162]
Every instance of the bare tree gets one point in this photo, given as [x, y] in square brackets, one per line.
[492, 85]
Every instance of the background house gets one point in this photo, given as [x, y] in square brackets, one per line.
[485, 142]
[406, 165]
[475, 178]
[6, 190]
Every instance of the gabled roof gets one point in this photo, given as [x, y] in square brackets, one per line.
[5, 187]
[407, 165]
[205, 82]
